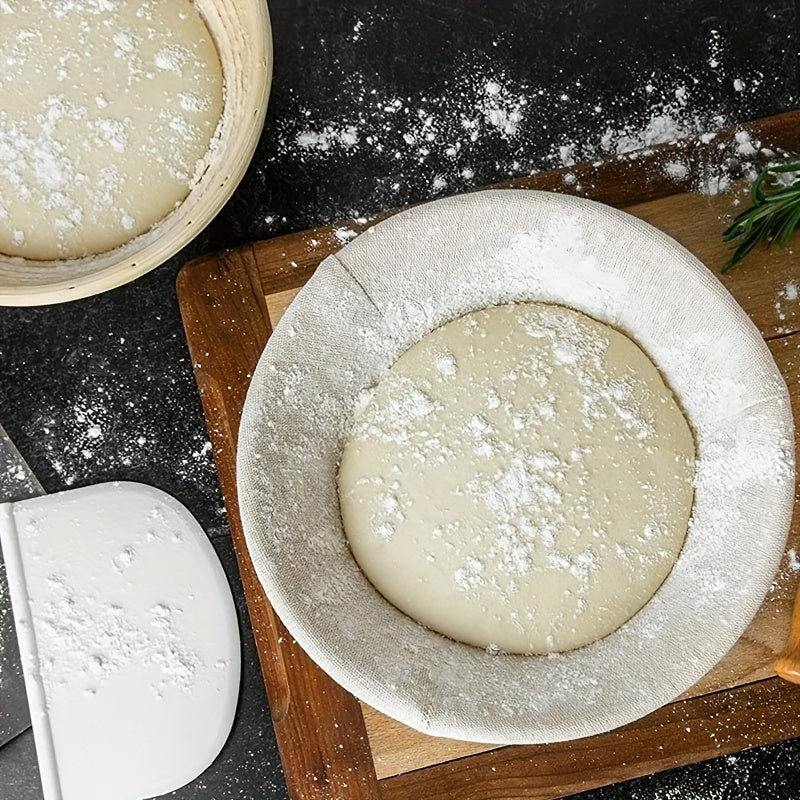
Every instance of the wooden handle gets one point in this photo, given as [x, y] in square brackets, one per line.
[787, 663]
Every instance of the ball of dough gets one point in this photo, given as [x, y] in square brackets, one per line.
[107, 115]
[520, 480]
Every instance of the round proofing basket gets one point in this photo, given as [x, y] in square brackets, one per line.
[408, 275]
[243, 38]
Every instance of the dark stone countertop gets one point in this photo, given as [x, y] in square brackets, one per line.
[376, 105]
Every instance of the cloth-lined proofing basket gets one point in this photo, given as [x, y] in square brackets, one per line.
[408, 275]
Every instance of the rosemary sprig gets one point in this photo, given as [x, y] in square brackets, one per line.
[773, 215]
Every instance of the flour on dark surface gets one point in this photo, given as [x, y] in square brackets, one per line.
[749, 775]
[495, 113]
[105, 420]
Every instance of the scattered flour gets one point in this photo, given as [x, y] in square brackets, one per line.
[81, 637]
[676, 170]
[439, 139]
[790, 291]
[83, 439]
[328, 138]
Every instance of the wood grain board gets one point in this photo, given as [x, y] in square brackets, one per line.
[333, 747]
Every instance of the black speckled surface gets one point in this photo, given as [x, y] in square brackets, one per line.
[376, 105]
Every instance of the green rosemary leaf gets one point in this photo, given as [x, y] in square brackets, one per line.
[773, 216]
[788, 227]
[781, 195]
[739, 253]
[745, 221]
[789, 166]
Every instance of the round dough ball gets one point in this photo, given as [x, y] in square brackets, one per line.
[107, 116]
[520, 480]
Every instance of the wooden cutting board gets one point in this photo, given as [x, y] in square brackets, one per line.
[334, 747]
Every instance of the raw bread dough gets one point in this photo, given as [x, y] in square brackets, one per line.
[521, 479]
[107, 111]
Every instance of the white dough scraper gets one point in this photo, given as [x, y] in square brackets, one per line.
[128, 639]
